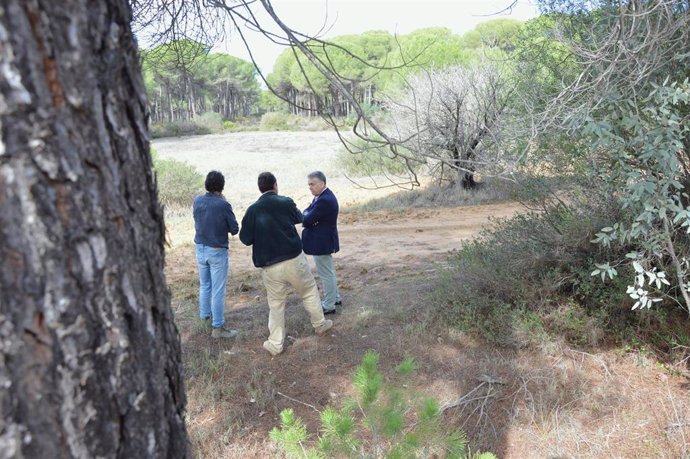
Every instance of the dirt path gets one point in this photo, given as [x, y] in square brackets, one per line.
[552, 402]
[414, 236]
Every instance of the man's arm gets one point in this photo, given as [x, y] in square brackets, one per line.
[233, 227]
[316, 212]
[247, 231]
[296, 215]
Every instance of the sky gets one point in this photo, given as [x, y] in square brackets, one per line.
[345, 17]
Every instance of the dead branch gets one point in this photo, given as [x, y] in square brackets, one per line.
[297, 401]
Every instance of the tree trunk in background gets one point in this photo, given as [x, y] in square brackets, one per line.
[89, 354]
[171, 116]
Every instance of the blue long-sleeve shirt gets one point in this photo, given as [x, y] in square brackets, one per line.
[213, 220]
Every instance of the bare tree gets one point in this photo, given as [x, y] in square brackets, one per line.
[90, 362]
[458, 119]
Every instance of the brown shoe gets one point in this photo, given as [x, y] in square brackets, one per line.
[324, 327]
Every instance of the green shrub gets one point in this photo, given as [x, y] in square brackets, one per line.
[228, 125]
[177, 128]
[534, 261]
[377, 423]
[178, 182]
[211, 121]
[279, 121]
[274, 121]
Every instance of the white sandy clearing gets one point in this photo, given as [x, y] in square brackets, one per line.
[242, 156]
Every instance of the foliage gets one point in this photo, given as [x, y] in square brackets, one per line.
[184, 79]
[503, 34]
[273, 121]
[530, 263]
[211, 121]
[178, 182]
[646, 157]
[278, 121]
[269, 102]
[631, 110]
[375, 62]
[376, 423]
[177, 129]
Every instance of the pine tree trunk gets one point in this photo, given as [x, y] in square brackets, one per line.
[171, 114]
[89, 353]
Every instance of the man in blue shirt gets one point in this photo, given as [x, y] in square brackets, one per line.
[213, 220]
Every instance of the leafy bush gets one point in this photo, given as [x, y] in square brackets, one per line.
[645, 163]
[274, 121]
[228, 125]
[178, 182]
[528, 263]
[177, 128]
[210, 120]
[384, 429]
[206, 123]
[279, 121]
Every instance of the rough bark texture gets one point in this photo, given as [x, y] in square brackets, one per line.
[89, 354]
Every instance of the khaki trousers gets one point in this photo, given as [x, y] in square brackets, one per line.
[277, 278]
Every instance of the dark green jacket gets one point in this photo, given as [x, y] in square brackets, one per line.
[269, 227]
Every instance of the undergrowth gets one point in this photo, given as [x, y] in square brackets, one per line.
[529, 278]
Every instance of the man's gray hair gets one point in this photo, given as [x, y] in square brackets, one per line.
[317, 175]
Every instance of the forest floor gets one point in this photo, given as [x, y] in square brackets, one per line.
[553, 400]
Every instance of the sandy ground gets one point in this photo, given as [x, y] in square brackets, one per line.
[290, 156]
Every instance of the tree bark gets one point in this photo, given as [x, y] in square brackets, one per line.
[90, 362]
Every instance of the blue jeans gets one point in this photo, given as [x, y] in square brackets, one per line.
[326, 271]
[213, 279]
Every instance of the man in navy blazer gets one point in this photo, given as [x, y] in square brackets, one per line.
[320, 237]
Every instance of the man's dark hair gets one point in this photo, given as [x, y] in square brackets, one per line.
[215, 182]
[266, 181]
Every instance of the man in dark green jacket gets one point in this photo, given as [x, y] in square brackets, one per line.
[269, 227]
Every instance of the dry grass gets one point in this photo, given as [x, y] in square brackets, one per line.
[432, 195]
[546, 401]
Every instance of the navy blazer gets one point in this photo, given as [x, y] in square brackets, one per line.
[320, 233]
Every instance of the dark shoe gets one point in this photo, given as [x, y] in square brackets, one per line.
[339, 303]
[223, 332]
[327, 312]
